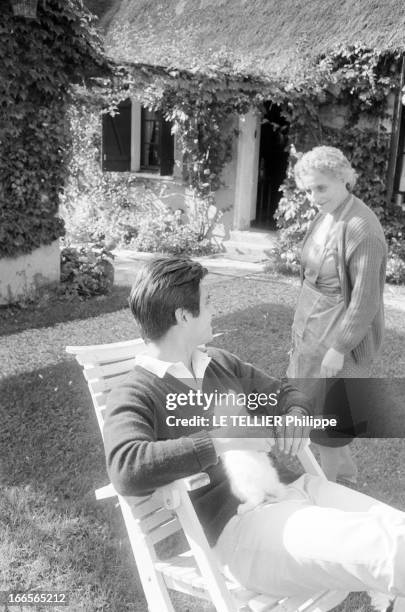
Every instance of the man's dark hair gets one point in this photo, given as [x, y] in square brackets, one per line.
[161, 286]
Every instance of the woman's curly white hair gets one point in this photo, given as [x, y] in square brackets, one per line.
[328, 160]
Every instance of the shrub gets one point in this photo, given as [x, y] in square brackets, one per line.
[95, 203]
[293, 215]
[86, 271]
[164, 230]
[395, 269]
[396, 254]
[89, 221]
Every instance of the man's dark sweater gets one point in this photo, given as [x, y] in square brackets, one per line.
[143, 452]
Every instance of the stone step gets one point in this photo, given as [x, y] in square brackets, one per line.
[248, 251]
[262, 237]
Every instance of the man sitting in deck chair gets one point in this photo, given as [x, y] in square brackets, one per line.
[319, 535]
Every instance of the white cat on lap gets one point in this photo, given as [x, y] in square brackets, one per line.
[253, 478]
[252, 475]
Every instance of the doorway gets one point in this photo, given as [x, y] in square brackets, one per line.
[273, 163]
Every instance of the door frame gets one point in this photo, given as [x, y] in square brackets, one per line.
[247, 169]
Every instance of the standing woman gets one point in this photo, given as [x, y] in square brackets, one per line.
[339, 320]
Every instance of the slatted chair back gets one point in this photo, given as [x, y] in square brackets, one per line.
[151, 519]
[104, 366]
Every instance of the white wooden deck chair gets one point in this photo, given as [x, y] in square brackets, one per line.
[150, 520]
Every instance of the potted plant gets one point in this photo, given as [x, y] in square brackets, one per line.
[25, 8]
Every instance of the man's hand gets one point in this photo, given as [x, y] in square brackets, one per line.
[331, 364]
[293, 437]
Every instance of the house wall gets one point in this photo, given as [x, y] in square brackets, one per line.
[21, 276]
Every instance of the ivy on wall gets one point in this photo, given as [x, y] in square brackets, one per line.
[41, 58]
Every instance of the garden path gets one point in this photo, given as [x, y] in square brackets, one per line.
[126, 263]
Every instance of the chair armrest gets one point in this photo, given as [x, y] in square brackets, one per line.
[189, 483]
[172, 493]
[196, 481]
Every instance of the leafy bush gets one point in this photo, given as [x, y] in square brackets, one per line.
[86, 271]
[164, 230]
[395, 269]
[90, 221]
[95, 204]
[293, 215]
[396, 253]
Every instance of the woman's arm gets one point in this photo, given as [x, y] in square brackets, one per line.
[366, 277]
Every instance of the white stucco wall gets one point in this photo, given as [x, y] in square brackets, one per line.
[225, 195]
[21, 276]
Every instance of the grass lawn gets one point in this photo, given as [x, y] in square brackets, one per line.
[53, 534]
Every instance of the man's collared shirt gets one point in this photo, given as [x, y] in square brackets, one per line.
[199, 361]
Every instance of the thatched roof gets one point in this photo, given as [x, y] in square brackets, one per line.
[257, 34]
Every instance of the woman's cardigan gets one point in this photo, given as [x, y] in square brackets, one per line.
[361, 259]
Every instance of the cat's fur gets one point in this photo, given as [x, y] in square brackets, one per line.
[253, 478]
[252, 475]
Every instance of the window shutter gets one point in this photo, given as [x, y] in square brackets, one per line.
[166, 148]
[116, 142]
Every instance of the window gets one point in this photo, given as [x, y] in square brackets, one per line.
[150, 140]
[156, 143]
[137, 139]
